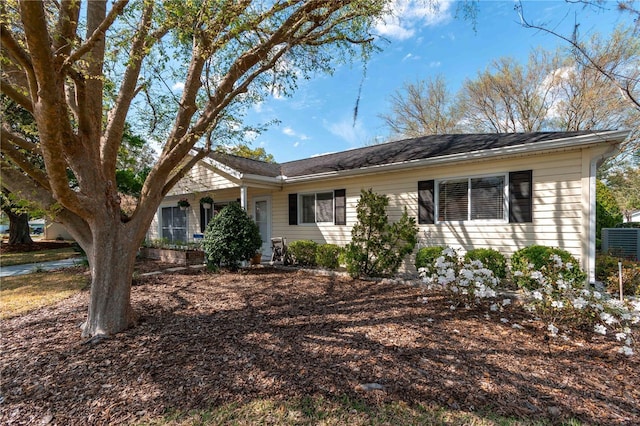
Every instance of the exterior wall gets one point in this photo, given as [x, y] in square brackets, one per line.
[54, 230]
[558, 215]
[561, 203]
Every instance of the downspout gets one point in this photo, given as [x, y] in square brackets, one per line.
[243, 197]
[593, 168]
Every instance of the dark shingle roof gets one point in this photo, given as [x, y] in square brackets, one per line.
[415, 149]
[425, 147]
[247, 165]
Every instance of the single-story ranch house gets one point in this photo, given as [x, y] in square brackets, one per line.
[503, 191]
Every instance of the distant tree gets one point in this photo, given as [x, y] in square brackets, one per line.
[422, 108]
[243, 150]
[509, 97]
[608, 213]
[616, 58]
[19, 231]
[624, 184]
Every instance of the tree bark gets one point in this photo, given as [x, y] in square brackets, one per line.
[18, 227]
[111, 257]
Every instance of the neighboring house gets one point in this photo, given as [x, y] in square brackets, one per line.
[635, 217]
[504, 191]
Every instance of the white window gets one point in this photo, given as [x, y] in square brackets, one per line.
[174, 224]
[316, 208]
[475, 198]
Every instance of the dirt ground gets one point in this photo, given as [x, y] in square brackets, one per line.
[205, 340]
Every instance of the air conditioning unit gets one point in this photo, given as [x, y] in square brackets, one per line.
[624, 242]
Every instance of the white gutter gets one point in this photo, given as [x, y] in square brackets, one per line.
[614, 136]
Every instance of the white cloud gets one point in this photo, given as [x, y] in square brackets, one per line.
[410, 56]
[292, 133]
[178, 87]
[435, 64]
[296, 144]
[406, 16]
[344, 129]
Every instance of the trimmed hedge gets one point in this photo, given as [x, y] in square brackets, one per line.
[540, 258]
[328, 256]
[491, 259]
[426, 256]
[303, 252]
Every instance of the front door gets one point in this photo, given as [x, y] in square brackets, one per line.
[262, 216]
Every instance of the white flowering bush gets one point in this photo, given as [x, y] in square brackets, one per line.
[466, 282]
[559, 300]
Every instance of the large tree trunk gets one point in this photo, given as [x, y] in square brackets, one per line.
[18, 227]
[111, 258]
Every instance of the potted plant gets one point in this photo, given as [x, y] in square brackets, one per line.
[206, 202]
[183, 203]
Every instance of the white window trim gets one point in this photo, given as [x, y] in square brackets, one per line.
[315, 194]
[187, 213]
[505, 199]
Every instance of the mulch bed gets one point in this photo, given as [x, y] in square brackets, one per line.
[204, 340]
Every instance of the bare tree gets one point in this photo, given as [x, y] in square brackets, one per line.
[509, 97]
[616, 58]
[422, 108]
[82, 68]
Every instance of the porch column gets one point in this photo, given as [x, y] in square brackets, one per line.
[243, 197]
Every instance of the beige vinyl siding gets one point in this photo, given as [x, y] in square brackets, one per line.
[201, 178]
[557, 205]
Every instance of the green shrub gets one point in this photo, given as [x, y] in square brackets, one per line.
[377, 247]
[426, 256]
[328, 256]
[303, 252]
[231, 237]
[607, 272]
[539, 258]
[491, 259]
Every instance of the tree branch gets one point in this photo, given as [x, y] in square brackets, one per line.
[15, 95]
[116, 119]
[98, 33]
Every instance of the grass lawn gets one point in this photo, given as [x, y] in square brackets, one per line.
[338, 411]
[8, 259]
[24, 293]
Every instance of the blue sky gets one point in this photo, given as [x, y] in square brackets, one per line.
[318, 118]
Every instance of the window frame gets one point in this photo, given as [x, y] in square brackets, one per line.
[315, 208]
[172, 227]
[469, 178]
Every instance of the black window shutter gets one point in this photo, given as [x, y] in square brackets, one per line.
[426, 202]
[521, 196]
[203, 218]
[340, 206]
[293, 209]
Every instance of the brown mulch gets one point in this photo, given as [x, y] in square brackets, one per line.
[35, 246]
[205, 340]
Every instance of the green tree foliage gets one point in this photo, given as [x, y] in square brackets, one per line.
[231, 237]
[624, 185]
[243, 150]
[377, 247]
[608, 213]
